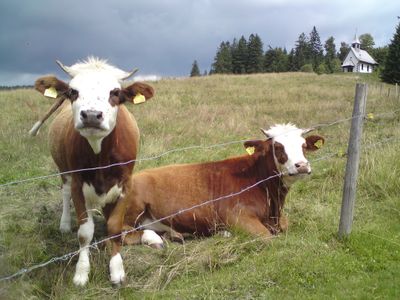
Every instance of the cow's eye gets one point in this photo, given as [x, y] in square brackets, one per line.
[114, 97]
[72, 94]
[114, 92]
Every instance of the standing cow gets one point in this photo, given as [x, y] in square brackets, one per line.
[275, 164]
[93, 129]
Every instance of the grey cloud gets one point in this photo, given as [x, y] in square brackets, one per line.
[164, 37]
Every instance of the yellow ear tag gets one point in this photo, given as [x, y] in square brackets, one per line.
[250, 150]
[139, 98]
[341, 153]
[319, 144]
[51, 92]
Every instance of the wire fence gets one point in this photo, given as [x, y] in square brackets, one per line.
[206, 202]
[316, 126]
[181, 211]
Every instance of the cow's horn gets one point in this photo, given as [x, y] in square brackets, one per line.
[265, 132]
[130, 74]
[64, 68]
[308, 130]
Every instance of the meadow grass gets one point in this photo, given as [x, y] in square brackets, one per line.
[307, 262]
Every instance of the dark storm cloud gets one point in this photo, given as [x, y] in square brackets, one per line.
[164, 37]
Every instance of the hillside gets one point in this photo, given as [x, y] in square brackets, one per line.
[307, 262]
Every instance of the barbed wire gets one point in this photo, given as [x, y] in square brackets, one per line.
[122, 163]
[317, 126]
[181, 211]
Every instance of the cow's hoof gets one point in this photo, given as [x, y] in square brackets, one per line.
[118, 280]
[174, 237]
[65, 227]
[80, 279]
[157, 246]
[117, 273]
[283, 223]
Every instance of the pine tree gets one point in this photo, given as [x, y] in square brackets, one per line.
[292, 61]
[195, 69]
[391, 71]
[330, 56]
[276, 60]
[254, 54]
[343, 51]
[380, 54]
[269, 58]
[316, 50]
[282, 60]
[223, 59]
[301, 52]
[239, 56]
[234, 47]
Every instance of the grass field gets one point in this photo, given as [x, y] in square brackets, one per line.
[307, 262]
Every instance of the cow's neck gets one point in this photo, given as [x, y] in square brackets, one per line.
[274, 187]
[95, 143]
[84, 157]
[99, 149]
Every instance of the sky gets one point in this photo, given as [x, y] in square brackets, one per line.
[164, 37]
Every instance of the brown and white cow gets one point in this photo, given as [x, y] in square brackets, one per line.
[161, 192]
[94, 129]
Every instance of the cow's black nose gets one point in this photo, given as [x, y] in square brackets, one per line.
[91, 118]
[302, 167]
[99, 115]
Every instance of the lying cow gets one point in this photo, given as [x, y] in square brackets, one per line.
[161, 192]
[94, 129]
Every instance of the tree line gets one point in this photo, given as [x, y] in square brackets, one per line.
[247, 56]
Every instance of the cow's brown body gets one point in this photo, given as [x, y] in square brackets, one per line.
[71, 151]
[164, 191]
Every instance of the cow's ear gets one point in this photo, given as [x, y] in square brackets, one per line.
[314, 142]
[137, 92]
[256, 146]
[50, 86]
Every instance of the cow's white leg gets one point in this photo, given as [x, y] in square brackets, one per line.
[85, 236]
[114, 228]
[117, 273]
[65, 222]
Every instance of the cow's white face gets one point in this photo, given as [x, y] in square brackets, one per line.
[95, 93]
[288, 150]
[94, 115]
[289, 155]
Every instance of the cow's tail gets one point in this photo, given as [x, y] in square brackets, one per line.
[35, 128]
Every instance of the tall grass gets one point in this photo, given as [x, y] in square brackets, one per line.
[306, 262]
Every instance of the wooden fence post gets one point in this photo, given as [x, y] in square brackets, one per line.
[353, 157]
